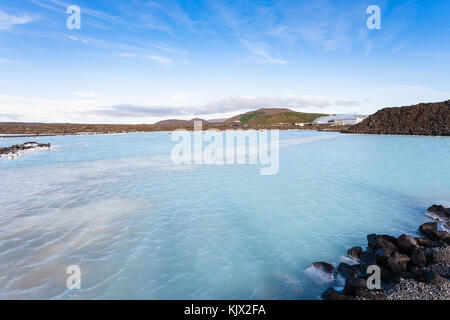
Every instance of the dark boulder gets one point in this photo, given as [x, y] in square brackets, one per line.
[406, 243]
[401, 257]
[355, 252]
[443, 236]
[347, 271]
[418, 257]
[428, 228]
[381, 241]
[331, 294]
[367, 258]
[439, 211]
[386, 275]
[435, 279]
[415, 273]
[383, 254]
[323, 266]
[425, 242]
[353, 284]
[438, 254]
[395, 266]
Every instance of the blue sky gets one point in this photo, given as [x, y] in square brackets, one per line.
[142, 61]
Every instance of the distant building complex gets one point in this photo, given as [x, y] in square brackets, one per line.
[340, 120]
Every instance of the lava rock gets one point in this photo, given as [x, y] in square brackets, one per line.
[383, 254]
[421, 119]
[438, 254]
[428, 227]
[401, 257]
[395, 266]
[367, 258]
[425, 242]
[415, 273]
[331, 294]
[439, 211]
[381, 241]
[418, 257]
[406, 243]
[325, 267]
[347, 271]
[353, 284]
[435, 279]
[355, 252]
[386, 275]
[443, 236]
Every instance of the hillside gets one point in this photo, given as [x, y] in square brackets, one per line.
[421, 119]
[179, 122]
[274, 116]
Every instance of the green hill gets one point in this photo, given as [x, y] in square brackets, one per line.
[275, 116]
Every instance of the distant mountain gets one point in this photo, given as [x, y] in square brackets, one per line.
[217, 120]
[421, 119]
[274, 116]
[179, 122]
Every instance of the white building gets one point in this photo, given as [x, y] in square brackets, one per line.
[340, 119]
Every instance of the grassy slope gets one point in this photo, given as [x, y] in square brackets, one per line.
[259, 117]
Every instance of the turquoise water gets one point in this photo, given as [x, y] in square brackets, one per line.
[141, 228]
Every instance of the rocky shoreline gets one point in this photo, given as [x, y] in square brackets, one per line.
[411, 268]
[17, 150]
[7, 129]
[429, 119]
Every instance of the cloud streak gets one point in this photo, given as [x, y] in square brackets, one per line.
[162, 60]
[230, 104]
[7, 21]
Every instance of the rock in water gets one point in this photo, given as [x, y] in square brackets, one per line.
[347, 271]
[439, 210]
[355, 252]
[323, 266]
[18, 149]
[428, 229]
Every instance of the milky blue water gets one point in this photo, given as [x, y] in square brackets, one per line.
[140, 227]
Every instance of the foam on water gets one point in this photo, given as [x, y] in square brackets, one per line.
[140, 227]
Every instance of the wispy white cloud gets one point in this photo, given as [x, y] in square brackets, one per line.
[7, 21]
[175, 12]
[260, 52]
[168, 49]
[230, 104]
[160, 59]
